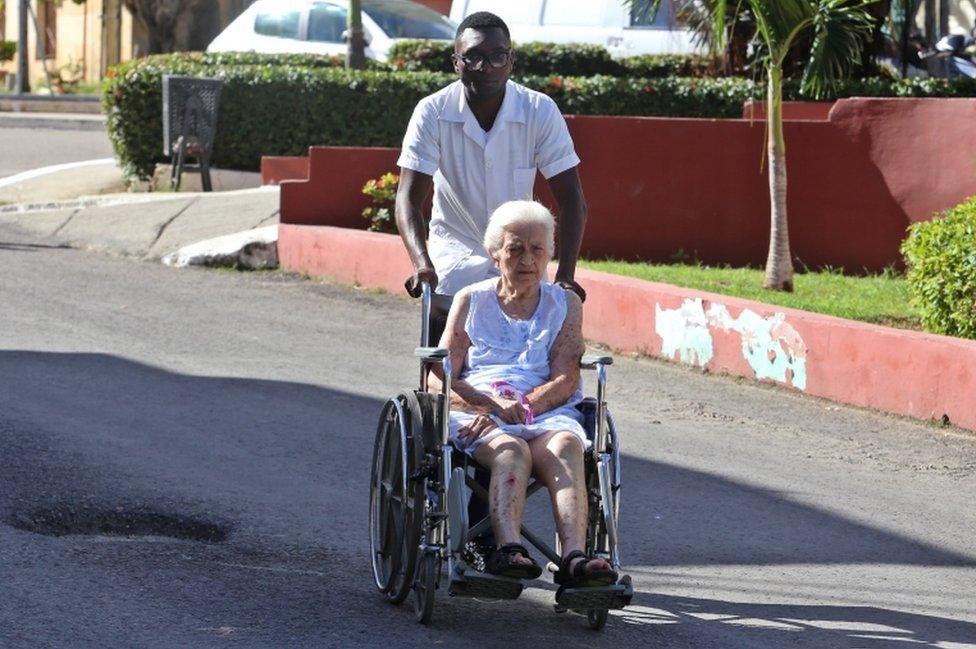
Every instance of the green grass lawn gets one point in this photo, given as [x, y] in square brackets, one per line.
[881, 299]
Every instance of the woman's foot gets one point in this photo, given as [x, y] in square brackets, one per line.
[579, 571]
[512, 560]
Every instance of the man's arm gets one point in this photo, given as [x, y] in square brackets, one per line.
[568, 192]
[413, 190]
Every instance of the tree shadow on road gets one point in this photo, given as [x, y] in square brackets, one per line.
[285, 467]
[678, 621]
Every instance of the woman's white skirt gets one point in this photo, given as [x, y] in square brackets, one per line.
[566, 418]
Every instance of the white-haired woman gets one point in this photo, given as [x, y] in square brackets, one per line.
[515, 343]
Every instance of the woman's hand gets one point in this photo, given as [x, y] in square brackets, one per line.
[509, 411]
[479, 426]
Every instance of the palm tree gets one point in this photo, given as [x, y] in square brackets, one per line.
[837, 30]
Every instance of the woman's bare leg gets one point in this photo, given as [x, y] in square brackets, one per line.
[510, 463]
[557, 462]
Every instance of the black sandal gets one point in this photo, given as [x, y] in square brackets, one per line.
[501, 562]
[579, 576]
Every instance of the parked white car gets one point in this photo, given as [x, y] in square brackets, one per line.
[318, 27]
[599, 22]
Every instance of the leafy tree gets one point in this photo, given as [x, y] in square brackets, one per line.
[836, 31]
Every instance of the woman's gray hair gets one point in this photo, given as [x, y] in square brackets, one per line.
[518, 212]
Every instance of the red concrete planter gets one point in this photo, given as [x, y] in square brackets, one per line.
[859, 175]
[903, 372]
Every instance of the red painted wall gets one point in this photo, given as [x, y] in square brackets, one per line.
[655, 186]
[905, 372]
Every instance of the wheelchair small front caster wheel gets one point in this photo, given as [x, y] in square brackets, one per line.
[597, 618]
[428, 570]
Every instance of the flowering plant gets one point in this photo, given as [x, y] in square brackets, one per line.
[382, 191]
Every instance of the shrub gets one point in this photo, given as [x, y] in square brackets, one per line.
[941, 258]
[282, 104]
[268, 109]
[545, 59]
[652, 66]
[264, 109]
[573, 59]
[382, 192]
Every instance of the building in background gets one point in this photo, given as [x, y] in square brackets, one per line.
[81, 41]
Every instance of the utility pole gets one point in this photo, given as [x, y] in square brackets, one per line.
[23, 84]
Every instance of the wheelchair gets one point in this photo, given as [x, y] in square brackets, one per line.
[420, 487]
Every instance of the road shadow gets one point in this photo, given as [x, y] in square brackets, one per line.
[711, 622]
[284, 467]
[673, 516]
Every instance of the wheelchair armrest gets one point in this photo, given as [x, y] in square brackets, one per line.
[592, 361]
[430, 353]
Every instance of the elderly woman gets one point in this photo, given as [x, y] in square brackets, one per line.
[515, 344]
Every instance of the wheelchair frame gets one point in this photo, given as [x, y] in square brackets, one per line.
[418, 515]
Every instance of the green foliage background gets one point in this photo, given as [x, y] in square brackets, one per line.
[941, 260]
[282, 104]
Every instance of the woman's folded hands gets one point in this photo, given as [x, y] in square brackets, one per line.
[509, 410]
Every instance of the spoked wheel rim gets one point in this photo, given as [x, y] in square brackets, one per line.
[386, 530]
[396, 502]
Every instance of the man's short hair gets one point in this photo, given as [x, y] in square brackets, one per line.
[482, 20]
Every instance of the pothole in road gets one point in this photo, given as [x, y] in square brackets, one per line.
[118, 522]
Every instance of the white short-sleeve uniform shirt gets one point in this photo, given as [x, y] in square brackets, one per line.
[475, 172]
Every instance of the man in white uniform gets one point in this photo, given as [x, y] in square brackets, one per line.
[478, 143]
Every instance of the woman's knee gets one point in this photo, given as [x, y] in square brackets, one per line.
[565, 445]
[511, 453]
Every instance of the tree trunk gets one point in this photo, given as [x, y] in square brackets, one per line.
[779, 264]
[356, 52]
[931, 24]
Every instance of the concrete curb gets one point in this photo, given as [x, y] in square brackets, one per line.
[251, 249]
[902, 372]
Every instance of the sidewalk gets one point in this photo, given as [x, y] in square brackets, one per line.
[145, 226]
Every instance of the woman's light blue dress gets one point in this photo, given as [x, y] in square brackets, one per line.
[516, 352]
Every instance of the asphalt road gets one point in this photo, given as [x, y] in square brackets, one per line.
[23, 149]
[236, 411]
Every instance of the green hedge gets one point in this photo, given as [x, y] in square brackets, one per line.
[266, 109]
[941, 259]
[542, 59]
[280, 105]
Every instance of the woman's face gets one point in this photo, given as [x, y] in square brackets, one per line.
[523, 256]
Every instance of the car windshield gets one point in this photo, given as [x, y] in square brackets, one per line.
[409, 20]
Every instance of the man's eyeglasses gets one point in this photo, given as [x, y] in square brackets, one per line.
[476, 61]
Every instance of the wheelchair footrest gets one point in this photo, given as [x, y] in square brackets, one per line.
[482, 585]
[603, 597]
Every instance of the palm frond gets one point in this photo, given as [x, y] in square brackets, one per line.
[840, 28]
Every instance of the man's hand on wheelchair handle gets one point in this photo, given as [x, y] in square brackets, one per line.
[479, 426]
[571, 285]
[416, 281]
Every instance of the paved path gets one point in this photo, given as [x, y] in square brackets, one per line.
[240, 408]
[29, 148]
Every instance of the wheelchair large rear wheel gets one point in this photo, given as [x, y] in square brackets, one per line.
[396, 501]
